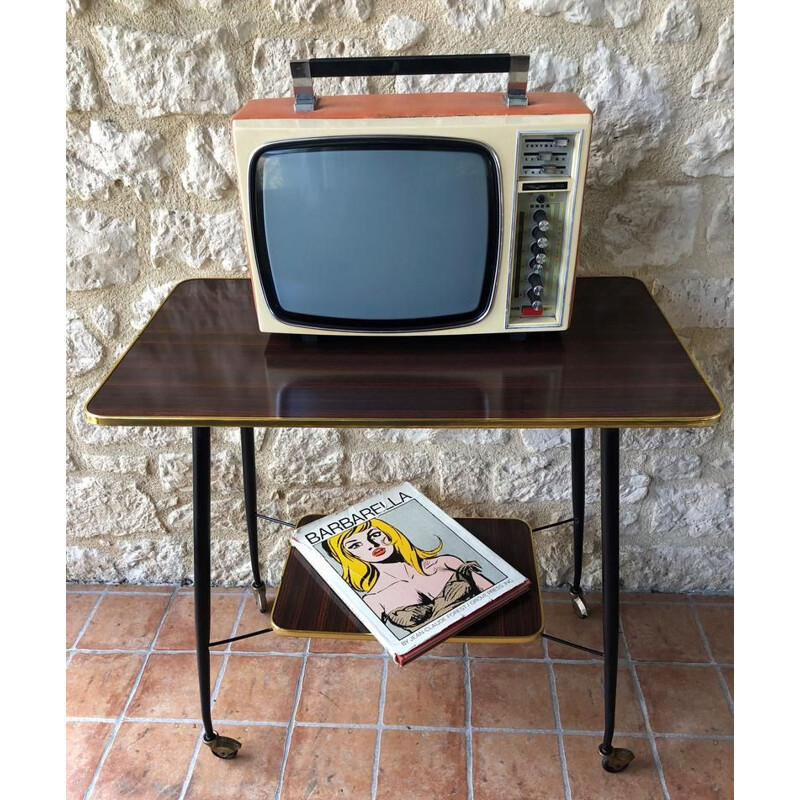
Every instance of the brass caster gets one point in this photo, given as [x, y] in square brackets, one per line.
[617, 759]
[260, 594]
[223, 746]
[579, 604]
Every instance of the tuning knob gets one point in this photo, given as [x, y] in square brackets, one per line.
[542, 242]
[536, 303]
[536, 266]
[535, 280]
[543, 226]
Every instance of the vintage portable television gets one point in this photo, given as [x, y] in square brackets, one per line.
[411, 214]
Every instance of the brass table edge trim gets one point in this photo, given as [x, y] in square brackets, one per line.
[368, 637]
[369, 422]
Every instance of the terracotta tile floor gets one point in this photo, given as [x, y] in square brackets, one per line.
[325, 719]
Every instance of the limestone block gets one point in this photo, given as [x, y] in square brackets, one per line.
[551, 72]
[475, 437]
[711, 148]
[631, 110]
[392, 467]
[72, 465]
[136, 6]
[399, 435]
[653, 224]
[316, 10]
[683, 569]
[696, 511]
[197, 240]
[639, 439]
[75, 7]
[675, 466]
[400, 32]
[532, 479]
[271, 59]
[136, 562]
[473, 82]
[308, 455]
[159, 74]
[83, 350]
[105, 319]
[694, 301]
[175, 471]
[719, 233]
[634, 484]
[109, 507]
[104, 155]
[227, 517]
[464, 477]
[716, 80]
[204, 5]
[680, 22]
[117, 464]
[152, 297]
[542, 439]
[82, 91]
[101, 250]
[581, 12]
[624, 13]
[210, 168]
[472, 16]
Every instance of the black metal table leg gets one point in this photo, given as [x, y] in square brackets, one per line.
[221, 746]
[250, 510]
[615, 759]
[578, 454]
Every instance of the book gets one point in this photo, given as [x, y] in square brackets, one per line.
[407, 570]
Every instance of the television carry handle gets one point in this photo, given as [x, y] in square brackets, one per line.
[303, 72]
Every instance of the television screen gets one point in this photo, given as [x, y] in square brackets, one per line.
[376, 233]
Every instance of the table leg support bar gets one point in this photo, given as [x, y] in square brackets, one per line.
[578, 461]
[615, 759]
[221, 746]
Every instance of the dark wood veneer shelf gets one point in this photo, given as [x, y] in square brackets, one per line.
[306, 607]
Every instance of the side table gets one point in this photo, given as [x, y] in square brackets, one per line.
[201, 361]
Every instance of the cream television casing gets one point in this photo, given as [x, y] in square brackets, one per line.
[478, 117]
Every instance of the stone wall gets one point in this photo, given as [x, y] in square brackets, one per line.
[151, 201]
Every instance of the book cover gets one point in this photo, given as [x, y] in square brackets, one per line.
[410, 573]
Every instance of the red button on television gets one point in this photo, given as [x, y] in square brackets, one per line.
[530, 311]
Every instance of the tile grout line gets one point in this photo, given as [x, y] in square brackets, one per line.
[376, 656]
[290, 725]
[646, 716]
[381, 707]
[562, 753]
[469, 744]
[432, 728]
[215, 691]
[73, 649]
[118, 724]
[717, 669]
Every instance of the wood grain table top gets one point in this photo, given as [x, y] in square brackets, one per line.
[202, 361]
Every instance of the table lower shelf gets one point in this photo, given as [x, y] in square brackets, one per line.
[305, 606]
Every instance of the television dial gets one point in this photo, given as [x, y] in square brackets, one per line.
[542, 242]
[536, 266]
[544, 226]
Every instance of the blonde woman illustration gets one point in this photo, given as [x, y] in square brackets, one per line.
[400, 582]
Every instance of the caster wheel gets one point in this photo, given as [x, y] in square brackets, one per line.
[617, 760]
[260, 593]
[579, 605]
[223, 746]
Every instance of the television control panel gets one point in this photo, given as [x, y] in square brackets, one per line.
[546, 181]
